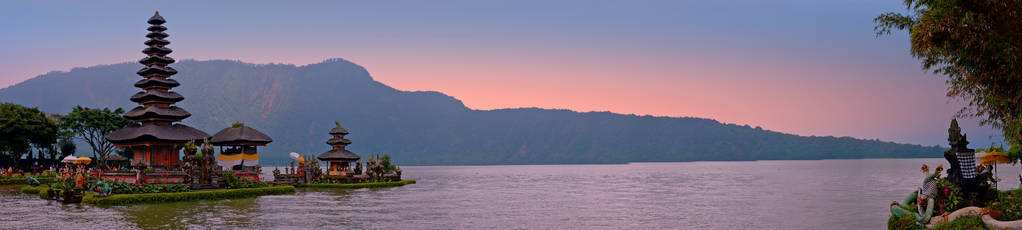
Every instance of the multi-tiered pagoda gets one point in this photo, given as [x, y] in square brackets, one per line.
[338, 157]
[156, 137]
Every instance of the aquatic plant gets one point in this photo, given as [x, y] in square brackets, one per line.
[32, 189]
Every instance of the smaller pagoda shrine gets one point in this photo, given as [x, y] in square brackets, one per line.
[340, 159]
[241, 142]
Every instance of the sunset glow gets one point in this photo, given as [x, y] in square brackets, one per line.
[783, 70]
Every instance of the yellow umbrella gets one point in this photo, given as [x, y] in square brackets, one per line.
[995, 157]
[992, 158]
[301, 160]
[83, 161]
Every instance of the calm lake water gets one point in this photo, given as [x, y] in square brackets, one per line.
[827, 194]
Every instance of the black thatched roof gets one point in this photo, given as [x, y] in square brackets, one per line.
[168, 83]
[176, 133]
[338, 142]
[172, 112]
[156, 59]
[169, 96]
[156, 28]
[155, 69]
[338, 155]
[157, 35]
[151, 42]
[156, 19]
[157, 50]
[239, 135]
[116, 157]
[338, 131]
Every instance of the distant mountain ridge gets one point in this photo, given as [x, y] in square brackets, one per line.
[296, 106]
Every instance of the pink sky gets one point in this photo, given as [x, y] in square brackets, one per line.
[771, 67]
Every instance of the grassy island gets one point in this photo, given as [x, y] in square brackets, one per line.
[125, 199]
[360, 185]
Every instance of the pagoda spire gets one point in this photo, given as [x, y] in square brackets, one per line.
[338, 157]
[338, 141]
[156, 100]
[156, 135]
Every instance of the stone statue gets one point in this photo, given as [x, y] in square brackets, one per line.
[358, 167]
[923, 198]
[207, 164]
[374, 168]
[190, 148]
[962, 172]
[103, 187]
[32, 181]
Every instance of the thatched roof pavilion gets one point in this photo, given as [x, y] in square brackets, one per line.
[241, 141]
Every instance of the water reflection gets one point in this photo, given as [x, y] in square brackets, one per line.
[829, 194]
[196, 214]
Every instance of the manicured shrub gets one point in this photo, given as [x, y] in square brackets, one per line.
[361, 185]
[236, 181]
[124, 199]
[45, 193]
[118, 187]
[962, 223]
[24, 180]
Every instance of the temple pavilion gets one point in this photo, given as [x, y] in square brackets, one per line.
[157, 135]
[241, 142]
[340, 159]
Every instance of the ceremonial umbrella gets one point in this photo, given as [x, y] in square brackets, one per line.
[83, 161]
[992, 159]
[69, 159]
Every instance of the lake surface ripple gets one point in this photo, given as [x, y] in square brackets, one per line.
[827, 194]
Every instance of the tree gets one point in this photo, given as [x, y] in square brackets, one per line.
[92, 125]
[977, 45]
[63, 144]
[21, 128]
[67, 147]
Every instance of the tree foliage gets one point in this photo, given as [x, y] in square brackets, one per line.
[67, 147]
[21, 128]
[91, 125]
[977, 46]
